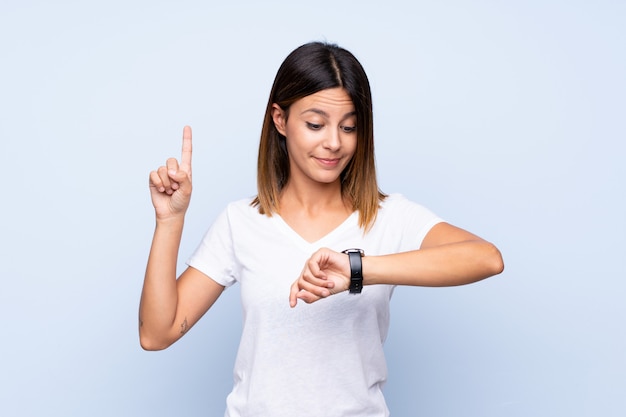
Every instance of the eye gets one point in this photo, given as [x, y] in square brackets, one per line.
[313, 126]
[348, 129]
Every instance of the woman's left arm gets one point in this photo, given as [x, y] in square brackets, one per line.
[448, 256]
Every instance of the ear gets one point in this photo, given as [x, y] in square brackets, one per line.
[279, 118]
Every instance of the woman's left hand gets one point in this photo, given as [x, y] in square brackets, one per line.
[326, 272]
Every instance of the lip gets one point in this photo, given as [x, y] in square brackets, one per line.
[328, 162]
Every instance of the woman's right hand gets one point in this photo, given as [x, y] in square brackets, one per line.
[170, 185]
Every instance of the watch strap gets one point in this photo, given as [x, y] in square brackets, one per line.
[356, 270]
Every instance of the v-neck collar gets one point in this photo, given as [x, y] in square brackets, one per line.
[304, 244]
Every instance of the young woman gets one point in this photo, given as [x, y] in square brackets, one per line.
[317, 252]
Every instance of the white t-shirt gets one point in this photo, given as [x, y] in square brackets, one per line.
[323, 359]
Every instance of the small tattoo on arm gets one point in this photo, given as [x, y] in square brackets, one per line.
[184, 327]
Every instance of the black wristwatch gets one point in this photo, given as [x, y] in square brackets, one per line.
[356, 270]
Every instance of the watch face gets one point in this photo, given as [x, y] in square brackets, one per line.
[354, 250]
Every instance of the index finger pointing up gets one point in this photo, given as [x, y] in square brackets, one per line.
[185, 159]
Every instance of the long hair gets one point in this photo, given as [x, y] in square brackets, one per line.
[310, 68]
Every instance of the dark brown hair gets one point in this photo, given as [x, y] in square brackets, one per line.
[308, 69]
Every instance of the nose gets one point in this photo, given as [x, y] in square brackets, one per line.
[332, 141]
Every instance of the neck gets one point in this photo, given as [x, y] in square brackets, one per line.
[312, 197]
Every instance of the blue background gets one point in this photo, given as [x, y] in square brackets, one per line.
[506, 118]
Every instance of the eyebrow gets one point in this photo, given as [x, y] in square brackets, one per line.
[324, 114]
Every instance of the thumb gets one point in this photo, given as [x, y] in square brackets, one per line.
[293, 294]
[180, 176]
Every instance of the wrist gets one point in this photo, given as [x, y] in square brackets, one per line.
[367, 262]
[170, 222]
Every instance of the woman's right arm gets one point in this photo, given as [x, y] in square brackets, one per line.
[169, 307]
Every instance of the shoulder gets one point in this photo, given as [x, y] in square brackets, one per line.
[242, 213]
[241, 204]
[399, 211]
[234, 212]
[406, 221]
[396, 204]
[242, 207]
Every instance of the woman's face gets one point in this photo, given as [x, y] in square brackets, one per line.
[321, 135]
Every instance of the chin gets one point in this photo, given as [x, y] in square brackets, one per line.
[327, 180]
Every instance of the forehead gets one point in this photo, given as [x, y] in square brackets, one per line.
[329, 100]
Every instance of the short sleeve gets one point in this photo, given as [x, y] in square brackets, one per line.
[215, 255]
[419, 221]
[405, 222]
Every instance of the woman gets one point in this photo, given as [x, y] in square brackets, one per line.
[319, 231]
